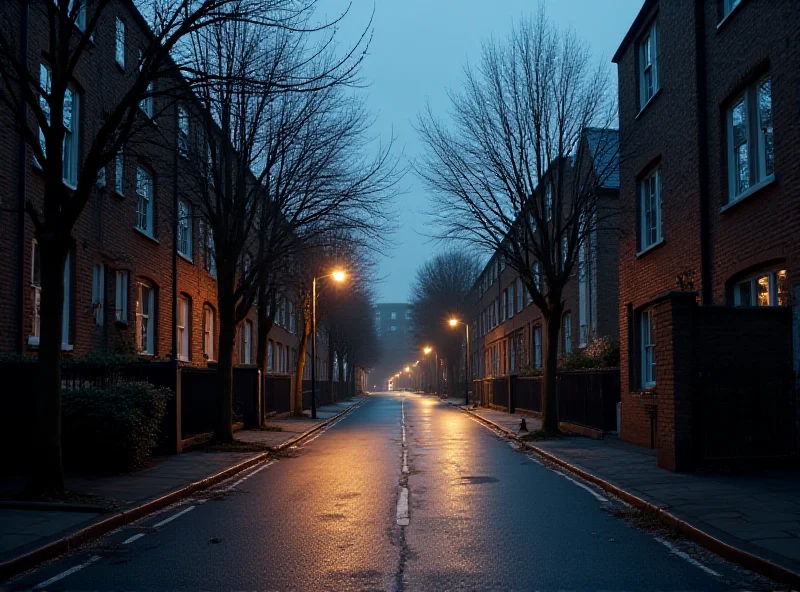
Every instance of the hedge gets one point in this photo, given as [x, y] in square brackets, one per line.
[112, 429]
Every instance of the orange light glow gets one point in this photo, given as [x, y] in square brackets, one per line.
[338, 275]
[428, 350]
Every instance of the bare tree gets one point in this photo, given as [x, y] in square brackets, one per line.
[507, 174]
[40, 95]
[441, 291]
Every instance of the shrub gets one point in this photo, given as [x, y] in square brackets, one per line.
[112, 429]
[601, 352]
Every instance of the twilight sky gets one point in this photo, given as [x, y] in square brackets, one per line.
[418, 52]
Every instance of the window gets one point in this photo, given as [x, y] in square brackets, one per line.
[67, 307]
[584, 290]
[144, 203]
[393, 328]
[183, 328]
[729, 5]
[648, 350]
[765, 289]
[650, 209]
[291, 318]
[750, 139]
[512, 354]
[503, 305]
[270, 353]
[520, 295]
[537, 347]
[80, 15]
[511, 299]
[121, 297]
[145, 319]
[548, 202]
[70, 120]
[71, 140]
[208, 332]
[120, 43]
[36, 286]
[245, 341]
[119, 172]
[185, 229]
[209, 256]
[567, 332]
[537, 276]
[146, 104]
[408, 315]
[98, 292]
[183, 132]
[394, 316]
[648, 67]
[101, 178]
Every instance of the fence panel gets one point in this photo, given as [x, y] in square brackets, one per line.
[198, 400]
[589, 398]
[277, 393]
[528, 396]
[499, 392]
[247, 396]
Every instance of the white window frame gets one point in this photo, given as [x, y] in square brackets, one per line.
[185, 229]
[650, 203]
[119, 172]
[647, 349]
[183, 132]
[121, 296]
[245, 341]
[648, 63]
[567, 329]
[99, 292]
[772, 288]
[511, 299]
[145, 318]
[209, 319]
[147, 103]
[119, 43]
[144, 201]
[760, 170]
[183, 328]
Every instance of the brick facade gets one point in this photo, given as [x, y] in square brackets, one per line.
[106, 231]
[711, 239]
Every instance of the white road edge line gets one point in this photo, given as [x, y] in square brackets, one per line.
[402, 507]
[171, 518]
[584, 486]
[686, 557]
[66, 573]
[135, 537]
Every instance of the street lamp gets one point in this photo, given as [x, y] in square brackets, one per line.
[455, 323]
[338, 276]
[426, 350]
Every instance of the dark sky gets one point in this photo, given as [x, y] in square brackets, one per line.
[418, 52]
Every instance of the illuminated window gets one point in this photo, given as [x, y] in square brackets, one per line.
[765, 289]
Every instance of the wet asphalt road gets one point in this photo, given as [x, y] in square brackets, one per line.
[481, 516]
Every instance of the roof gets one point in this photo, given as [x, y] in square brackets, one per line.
[637, 23]
[604, 147]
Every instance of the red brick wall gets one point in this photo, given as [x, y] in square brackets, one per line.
[635, 423]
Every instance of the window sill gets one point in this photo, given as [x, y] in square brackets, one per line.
[66, 347]
[33, 343]
[652, 247]
[647, 104]
[728, 16]
[749, 192]
[144, 234]
[185, 257]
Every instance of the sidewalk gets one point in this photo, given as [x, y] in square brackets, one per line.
[756, 511]
[29, 527]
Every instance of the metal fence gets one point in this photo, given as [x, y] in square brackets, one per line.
[589, 398]
[528, 393]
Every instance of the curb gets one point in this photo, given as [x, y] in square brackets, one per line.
[725, 550]
[17, 565]
[316, 428]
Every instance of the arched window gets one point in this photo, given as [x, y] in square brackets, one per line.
[766, 288]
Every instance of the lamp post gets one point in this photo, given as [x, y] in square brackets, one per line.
[426, 350]
[454, 323]
[339, 277]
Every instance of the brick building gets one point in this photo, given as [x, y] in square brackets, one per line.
[708, 99]
[506, 332]
[140, 277]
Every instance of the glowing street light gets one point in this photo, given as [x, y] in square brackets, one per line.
[428, 349]
[339, 276]
[454, 322]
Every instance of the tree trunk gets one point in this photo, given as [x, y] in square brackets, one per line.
[552, 327]
[47, 474]
[227, 335]
[297, 396]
